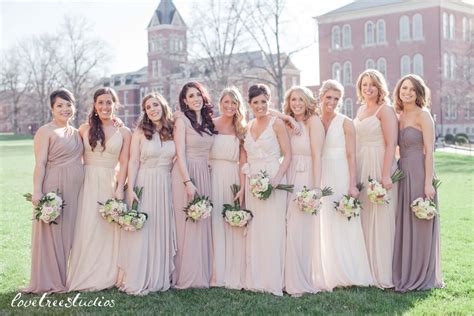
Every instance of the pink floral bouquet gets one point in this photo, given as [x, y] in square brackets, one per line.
[309, 201]
[234, 215]
[261, 188]
[49, 207]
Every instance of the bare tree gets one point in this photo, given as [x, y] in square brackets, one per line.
[15, 81]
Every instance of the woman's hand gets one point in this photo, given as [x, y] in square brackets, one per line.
[119, 194]
[190, 190]
[275, 181]
[132, 196]
[429, 191]
[354, 192]
[118, 123]
[387, 183]
[36, 197]
[240, 196]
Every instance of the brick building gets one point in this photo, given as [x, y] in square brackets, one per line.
[433, 39]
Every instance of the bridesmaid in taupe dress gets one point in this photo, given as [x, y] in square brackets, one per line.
[58, 149]
[416, 259]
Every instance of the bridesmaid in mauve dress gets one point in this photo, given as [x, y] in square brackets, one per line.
[227, 150]
[376, 139]
[266, 138]
[416, 258]
[147, 255]
[58, 151]
[94, 257]
[193, 136]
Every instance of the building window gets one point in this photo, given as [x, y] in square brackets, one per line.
[336, 37]
[418, 64]
[154, 69]
[471, 31]
[347, 70]
[417, 27]
[452, 27]
[452, 66]
[405, 68]
[445, 25]
[382, 66]
[369, 33]
[465, 36]
[446, 65]
[404, 28]
[381, 32]
[467, 131]
[125, 97]
[347, 108]
[451, 109]
[369, 64]
[346, 36]
[336, 72]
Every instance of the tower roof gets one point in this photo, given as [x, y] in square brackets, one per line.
[165, 11]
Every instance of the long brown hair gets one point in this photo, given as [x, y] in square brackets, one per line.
[379, 81]
[207, 125]
[238, 120]
[96, 132]
[166, 121]
[423, 93]
[309, 100]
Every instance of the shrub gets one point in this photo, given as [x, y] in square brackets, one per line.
[449, 138]
[461, 138]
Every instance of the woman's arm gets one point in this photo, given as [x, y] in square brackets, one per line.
[427, 128]
[242, 161]
[389, 122]
[316, 140]
[349, 136]
[41, 147]
[285, 147]
[123, 162]
[286, 118]
[180, 142]
[134, 164]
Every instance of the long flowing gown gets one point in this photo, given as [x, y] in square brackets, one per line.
[228, 241]
[51, 244]
[265, 244]
[345, 261]
[416, 259]
[147, 255]
[303, 265]
[193, 260]
[94, 258]
[378, 221]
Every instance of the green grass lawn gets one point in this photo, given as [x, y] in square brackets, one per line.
[456, 172]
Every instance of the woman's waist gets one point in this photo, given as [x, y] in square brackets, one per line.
[73, 161]
[101, 163]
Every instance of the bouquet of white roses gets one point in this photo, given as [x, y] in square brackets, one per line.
[199, 208]
[309, 201]
[234, 215]
[133, 220]
[376, 193]
[261, 188]
[112, 209]
[49, 207]
[424, 208]
[349, 206]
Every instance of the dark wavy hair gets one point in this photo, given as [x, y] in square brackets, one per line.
[207, 126]
[166, 121]
[63, 94]
[423, 93]
[96, 132]
[258, 89]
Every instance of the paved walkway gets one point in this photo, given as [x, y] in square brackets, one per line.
[455, 150]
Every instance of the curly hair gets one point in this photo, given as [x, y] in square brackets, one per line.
[96, 132]
[165, 127]
[207, 125]
[308, 98]
[238, 120]
[423, 93]
[379, 82]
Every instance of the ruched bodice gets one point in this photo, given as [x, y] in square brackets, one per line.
[335, 142]
[107, 158]
[225, 147]
[265, 148]
[369, 132]
[410, 141]
[65, 150]
[197, 146]
[156, 153]
[299, 143]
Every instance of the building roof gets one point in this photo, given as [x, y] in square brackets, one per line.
[165, 11]
[363, 4]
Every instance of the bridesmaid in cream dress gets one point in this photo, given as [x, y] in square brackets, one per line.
[58, 167]
[147, 255]
[303, 265]
[266, 138]
[376, 138]
[193, 136]
[94, 258]
[345, 261]
[227, 150]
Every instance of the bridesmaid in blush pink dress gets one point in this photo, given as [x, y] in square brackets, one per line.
[266, 138]
[376, 128]
[94, 258]
[147, 255]
[58, 167]
[227, 150]
[193, 136]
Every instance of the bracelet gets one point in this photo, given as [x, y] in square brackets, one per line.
[189, 180]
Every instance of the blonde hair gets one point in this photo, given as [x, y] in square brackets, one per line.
[238, 120]
[423, 93]
[379, 82]
[331, 84]
[308, 98]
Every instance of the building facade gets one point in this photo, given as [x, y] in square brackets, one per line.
[433, 39]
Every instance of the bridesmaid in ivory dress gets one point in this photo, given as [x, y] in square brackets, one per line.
[193, 135]
[345, 261]
[416, 258]
[94, 257]
[376, 128]
[58, 167]
[147, 254]
[266, 138]
[227, 150]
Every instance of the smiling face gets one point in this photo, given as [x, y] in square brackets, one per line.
[228, 106]
[369, 90]
[330, 101]
[62, 110]
[297, 103]
[153, 109]
[407, 92]
[104, 106]
[259, 105]
[194, 99]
